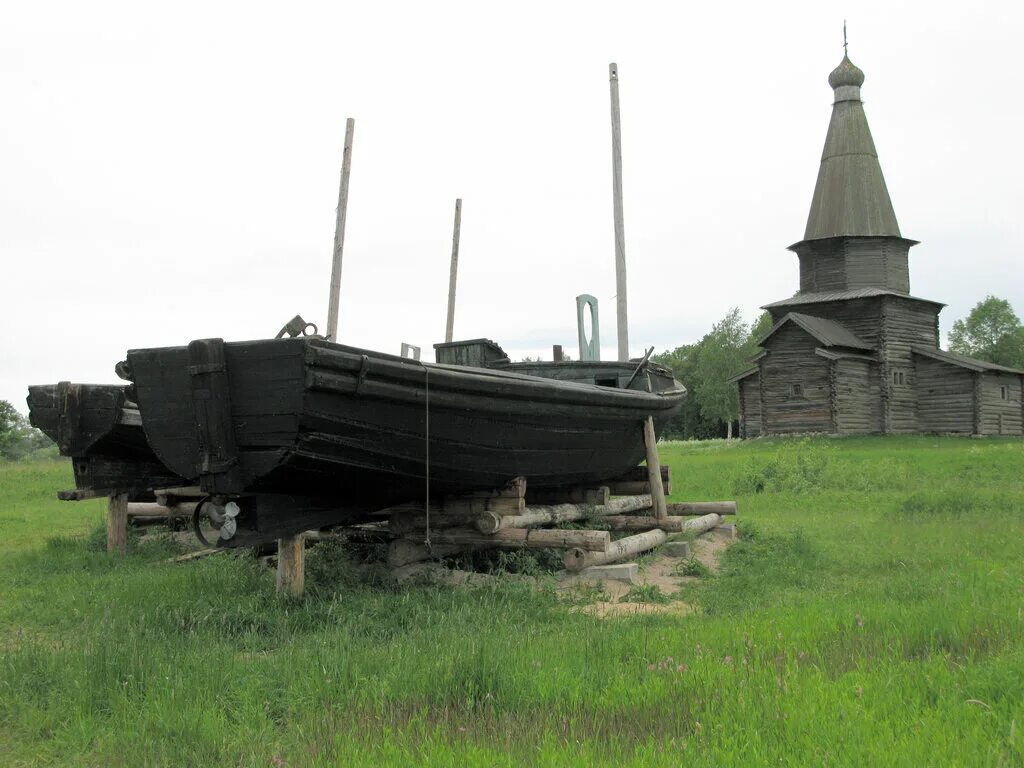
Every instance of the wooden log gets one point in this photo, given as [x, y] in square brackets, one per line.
[517, 538]
[291, 565]
[516, 489]
[184, 491]
[634, 487]
[402, 523]
[117, 523]
[577, 559]
[639, 472]
[149, 509]
[457, 507]
[620, 235]
[702, 508]
[654, 470]
[454, 271]
[339, 233]
[572, 495]
[667, 524]
[81, 494]
[490, 522]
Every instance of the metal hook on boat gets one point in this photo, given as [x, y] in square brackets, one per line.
[297, 327]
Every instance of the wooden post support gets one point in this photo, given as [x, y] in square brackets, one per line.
[291, 565]
[654, 470]
[454, 272]
[620, 233]
[117, 523]
[339, 233]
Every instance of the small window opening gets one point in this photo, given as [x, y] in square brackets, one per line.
[607, 382]
[796, 390]
[899, 378]
[1004, 393]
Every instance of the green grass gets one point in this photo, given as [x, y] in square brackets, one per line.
[872, 613]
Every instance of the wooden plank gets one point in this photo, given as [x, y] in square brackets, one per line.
[117, 523]
[291, 565]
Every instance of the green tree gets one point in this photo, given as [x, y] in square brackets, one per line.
[17, 438]
[992, 331]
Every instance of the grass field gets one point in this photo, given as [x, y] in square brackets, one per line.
[870, 615]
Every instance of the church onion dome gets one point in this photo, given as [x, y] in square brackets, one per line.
[847, 73]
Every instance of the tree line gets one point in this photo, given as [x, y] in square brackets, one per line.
[992, 331]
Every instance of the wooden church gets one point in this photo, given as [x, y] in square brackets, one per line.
[853, 352]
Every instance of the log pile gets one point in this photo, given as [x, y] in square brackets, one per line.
[513, 518]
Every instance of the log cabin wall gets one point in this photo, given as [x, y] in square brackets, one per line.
[857, 403]
[844, 263]
[791, 361]
[1001, 412]
[905, 322]
[945, 397]
[750, 406]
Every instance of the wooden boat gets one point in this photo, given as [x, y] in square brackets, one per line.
[100, 429]
[303, 432]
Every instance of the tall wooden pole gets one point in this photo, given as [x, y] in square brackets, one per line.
[450, 328]
[339, 234]
[620, 233]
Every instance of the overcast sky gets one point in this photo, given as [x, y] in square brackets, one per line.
[170, 171]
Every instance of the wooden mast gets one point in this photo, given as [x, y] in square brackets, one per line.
[620, 234]
[449, 329]
[339, 234]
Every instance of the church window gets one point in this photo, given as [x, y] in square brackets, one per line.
[899, 378]
[1004, 393]
[796, 390]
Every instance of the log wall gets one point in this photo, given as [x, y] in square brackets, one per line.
[857, 404]
[945, 397]
[905, 322]
[750, 406]
[842, 263]
[791, 360]
[998, 416]
[862, 317]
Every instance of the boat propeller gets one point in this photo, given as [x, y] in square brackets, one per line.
[221, 516]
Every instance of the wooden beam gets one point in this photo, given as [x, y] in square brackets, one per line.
[490, 522]
[654, 469]
[291, 565]
[572, 495]
[117, 523]
[620, 231]
[149, 509]
[578, 559]
[667, 524]
[339, 233]
[636, 487]
[453, 272]
[702, 508]
[525, 538]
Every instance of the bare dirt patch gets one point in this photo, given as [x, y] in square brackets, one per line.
[659, 572]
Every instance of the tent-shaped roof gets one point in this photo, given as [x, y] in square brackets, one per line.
[850, 195]
[828, 332]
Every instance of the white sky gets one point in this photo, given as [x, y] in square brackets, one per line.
[170, 172]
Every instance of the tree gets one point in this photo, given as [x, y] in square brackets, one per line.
[17, 438]
[992, 331]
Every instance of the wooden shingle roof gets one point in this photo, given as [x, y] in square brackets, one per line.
[828, 332]
[850, 195]
[852, 293]
[962, 361]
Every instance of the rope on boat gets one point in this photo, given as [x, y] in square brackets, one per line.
[426, 405]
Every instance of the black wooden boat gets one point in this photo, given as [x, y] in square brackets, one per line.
[303, 432]
[100, 429]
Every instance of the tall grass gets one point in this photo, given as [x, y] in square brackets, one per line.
[870, 616]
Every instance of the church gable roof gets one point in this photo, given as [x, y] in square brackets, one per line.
[962, 361]
[827, 332]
